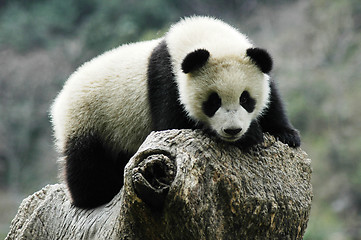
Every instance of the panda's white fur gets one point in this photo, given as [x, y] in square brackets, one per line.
[108, 104]
[108, 94]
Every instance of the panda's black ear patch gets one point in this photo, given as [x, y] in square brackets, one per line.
[195, 60]
[261, 58]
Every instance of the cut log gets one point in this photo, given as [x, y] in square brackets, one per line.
[184, 184]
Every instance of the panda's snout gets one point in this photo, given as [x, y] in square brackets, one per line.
[232, 131]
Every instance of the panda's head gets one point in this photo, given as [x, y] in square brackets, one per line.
[225, 93]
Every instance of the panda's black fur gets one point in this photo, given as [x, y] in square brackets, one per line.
[94, 173]
[166, 110]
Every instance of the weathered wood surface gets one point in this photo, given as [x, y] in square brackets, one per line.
[203, 189]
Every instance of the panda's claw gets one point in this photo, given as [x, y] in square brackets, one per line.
[289, 136]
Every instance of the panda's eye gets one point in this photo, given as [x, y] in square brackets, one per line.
[247, 102]
[244, 98]
[212, 104]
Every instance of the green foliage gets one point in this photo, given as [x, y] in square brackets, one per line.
[101, 25]
[308, 118]
[123, 22]
[24, 27]
[324, 224]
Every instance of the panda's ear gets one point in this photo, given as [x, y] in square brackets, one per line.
[195, 60]
[261, 58]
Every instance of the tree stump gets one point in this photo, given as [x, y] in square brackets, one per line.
[184, 184]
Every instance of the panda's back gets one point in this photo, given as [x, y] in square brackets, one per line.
[107, 95]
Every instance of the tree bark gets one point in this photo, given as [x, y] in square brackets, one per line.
[184, 184]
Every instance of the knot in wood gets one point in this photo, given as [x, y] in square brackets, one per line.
[152, 179]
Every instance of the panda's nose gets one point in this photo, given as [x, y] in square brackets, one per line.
[232, 131]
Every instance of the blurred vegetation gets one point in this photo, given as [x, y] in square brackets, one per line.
[316, 45]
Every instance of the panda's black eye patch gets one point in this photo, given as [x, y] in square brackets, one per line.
[212, 104]
[247, 102]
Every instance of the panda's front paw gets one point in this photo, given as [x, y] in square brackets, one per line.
[289, 136]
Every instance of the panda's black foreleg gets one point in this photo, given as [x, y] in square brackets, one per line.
[94, 176]
[275, 120]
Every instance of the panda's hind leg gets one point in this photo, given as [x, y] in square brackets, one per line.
[93, 174]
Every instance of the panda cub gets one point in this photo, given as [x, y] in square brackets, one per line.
[203, 74]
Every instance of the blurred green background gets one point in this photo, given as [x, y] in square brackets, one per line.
[316, 45]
